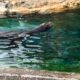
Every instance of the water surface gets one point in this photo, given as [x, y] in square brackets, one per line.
[57, 49]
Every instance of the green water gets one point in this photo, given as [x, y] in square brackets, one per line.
[57, 49]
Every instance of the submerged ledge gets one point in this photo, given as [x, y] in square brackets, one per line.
[27, 74]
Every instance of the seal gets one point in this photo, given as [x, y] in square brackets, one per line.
[18, 35]
[21, 33]
[43, 27]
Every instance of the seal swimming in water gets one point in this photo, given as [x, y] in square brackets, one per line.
[20, 34]
[43, 27]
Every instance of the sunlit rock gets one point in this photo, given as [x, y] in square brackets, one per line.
[39, 6]
[2, 8]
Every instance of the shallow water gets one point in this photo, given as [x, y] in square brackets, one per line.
[57, 49]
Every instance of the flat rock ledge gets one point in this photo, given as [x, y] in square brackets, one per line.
[22, 7]
[26, 74]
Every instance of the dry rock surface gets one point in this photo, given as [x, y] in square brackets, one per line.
[37, 6]
[26, 74]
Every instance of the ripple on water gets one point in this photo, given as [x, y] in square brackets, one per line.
[16, 56]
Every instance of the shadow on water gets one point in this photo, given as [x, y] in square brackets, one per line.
[57, 49]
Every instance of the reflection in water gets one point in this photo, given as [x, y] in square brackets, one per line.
[56, 49]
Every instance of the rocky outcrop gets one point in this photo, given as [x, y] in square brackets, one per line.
[37, 6]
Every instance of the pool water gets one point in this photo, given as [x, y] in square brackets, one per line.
[57, 49]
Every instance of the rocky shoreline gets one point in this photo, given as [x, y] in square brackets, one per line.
[18, 8]
[27, 74]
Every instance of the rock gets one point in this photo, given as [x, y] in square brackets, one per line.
[28, 74]
[2, 8]
[39, 6]
[45, 6]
